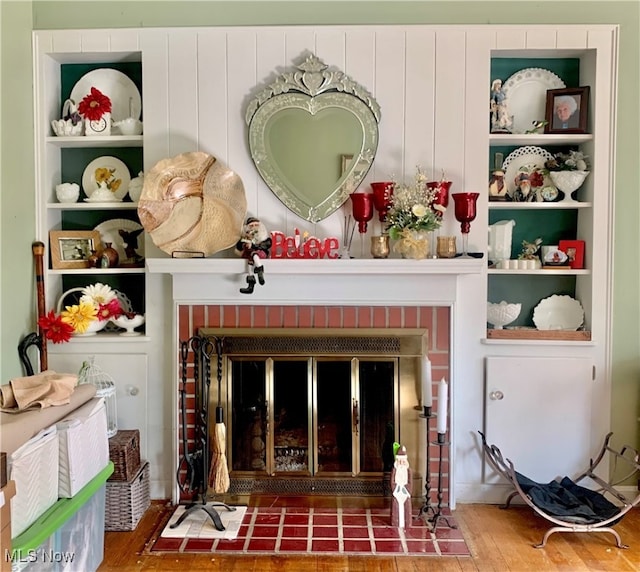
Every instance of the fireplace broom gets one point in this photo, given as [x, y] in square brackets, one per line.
[219, 473]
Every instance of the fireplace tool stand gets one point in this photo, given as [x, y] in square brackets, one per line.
[441, 443]
[430, 514]
[193, 468]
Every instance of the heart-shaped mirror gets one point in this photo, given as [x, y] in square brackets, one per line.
[313, 136]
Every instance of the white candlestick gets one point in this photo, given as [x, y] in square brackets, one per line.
[427, 391]
[443, 396]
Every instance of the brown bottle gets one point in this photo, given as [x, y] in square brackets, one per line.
[94, 260]
[109, 258]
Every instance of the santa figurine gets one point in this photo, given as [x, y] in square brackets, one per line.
[254, 245]
[401, 483]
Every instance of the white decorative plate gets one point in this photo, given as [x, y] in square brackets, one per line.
[526, 92]
[123, 93]
[119, 177]
[558, 313]
[109, 233]
[527, 156]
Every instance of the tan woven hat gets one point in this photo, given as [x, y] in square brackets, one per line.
[193, 203]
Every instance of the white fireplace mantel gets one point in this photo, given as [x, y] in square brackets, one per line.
[374, 281]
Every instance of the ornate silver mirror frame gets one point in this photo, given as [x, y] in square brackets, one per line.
[313, 134]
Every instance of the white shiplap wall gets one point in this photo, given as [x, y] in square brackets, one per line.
[197, 83]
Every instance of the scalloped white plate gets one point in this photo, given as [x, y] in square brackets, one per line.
[527, 156]
[526, 92]
[558, 313]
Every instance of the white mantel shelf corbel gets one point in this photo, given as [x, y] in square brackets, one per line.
[319, 281]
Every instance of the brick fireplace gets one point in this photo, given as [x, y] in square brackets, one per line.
[337, 295]
[335, 321]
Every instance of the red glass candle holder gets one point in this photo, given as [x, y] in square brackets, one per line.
[362, 205]
[382, 192]
[442, 194]
[465, 213]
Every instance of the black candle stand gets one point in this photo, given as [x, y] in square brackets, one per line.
[427, 508]
[437, 515]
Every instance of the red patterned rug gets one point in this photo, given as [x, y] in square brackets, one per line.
[308, 530]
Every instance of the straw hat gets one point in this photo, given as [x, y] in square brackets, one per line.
[191, 202]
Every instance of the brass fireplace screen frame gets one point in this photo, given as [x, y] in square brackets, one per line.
[404, 346]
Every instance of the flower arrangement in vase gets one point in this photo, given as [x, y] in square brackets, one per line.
[98, 303]
[95, 108]
[412, 215]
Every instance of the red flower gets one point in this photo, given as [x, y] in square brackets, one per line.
[536, 179]
[54, 328]
[110, 310]
[94, 105]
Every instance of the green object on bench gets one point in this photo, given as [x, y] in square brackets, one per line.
[52, 519]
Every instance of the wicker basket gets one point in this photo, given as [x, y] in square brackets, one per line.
[126, 503]
[124, 451]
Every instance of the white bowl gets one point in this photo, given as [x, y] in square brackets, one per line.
[93, 328]
[502, 314]
[67, 192]
[129, 324]
[568, 181]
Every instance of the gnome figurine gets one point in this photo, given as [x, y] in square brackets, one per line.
[254, 245]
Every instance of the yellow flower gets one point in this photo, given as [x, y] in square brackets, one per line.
[103, 175]
[80, 316]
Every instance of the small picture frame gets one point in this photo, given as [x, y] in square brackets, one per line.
[72, 248]
[567, 110]
[574, 249]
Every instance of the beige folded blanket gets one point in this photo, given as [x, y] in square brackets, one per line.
[40, 390]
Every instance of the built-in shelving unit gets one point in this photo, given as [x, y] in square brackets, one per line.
[556, 220]
[63, 159]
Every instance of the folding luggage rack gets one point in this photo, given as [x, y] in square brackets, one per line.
[604, 513]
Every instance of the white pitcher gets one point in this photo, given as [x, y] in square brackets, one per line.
[500, 234]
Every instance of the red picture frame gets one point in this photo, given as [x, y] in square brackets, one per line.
[574, 249]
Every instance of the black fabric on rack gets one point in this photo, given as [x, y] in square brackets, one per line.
[568, 501]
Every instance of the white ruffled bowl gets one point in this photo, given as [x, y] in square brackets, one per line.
[568, 181]
[502, 314]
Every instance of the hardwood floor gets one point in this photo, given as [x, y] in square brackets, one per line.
[499, 540]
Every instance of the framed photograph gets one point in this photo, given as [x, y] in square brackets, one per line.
[72, 248]
[567, 110]
[574, 249]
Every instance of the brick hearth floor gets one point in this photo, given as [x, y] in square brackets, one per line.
[305, 530]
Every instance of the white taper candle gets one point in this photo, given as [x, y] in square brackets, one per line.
[427, 391]
[443, 396]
